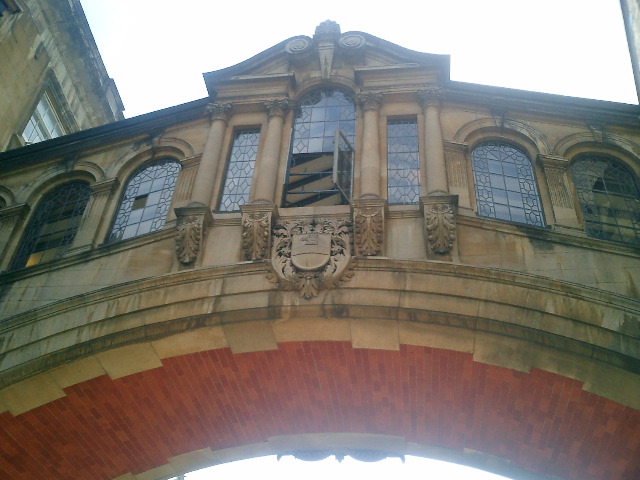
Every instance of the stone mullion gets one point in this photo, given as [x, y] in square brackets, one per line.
[11, 218]
[209, 163]
[556, 173]
[94, 214]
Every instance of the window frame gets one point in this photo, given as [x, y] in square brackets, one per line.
[418, 151]
[237, 131]
[631, 175]
[40, 219]
[326, 155]
[535, 175]
[126, 196]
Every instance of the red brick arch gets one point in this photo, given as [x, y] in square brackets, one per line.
[539, 421]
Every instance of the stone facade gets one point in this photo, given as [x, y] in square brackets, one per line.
[523, 306]
[47, 48]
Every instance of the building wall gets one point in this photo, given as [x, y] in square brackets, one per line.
[47, 45]
[518, 297]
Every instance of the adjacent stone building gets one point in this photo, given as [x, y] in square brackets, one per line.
[53, 81]
[339, 251]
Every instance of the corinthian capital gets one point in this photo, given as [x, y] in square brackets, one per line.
[369, 101]
[219, 111]
[431, 96]
[278, 107]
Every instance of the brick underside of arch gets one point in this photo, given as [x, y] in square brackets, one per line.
[539, 421]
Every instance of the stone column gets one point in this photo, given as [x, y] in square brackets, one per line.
[370, 158]
[556, 173]
[368, 210]
[210, 161]
[436, 171]
[258, 215]
[192, 221]
[94, 216]
[438, 207]
[266, 174]
[10, 220]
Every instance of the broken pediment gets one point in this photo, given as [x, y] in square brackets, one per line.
[330, 52]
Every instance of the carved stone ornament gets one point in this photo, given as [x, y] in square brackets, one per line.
[299, 46]
[341, 453]
[256, 230]
[351, 44]
[219, 111]
[440, 221]
[192, 222]
[278, 107]
[431, 96]
[327, 31]
[369, 101]
[368, 226]
[311, 255]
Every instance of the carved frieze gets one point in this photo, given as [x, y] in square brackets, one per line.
[440, 221]
[192, 222]
[368, 226]
[311, 254]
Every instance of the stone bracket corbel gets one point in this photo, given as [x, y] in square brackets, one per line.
[257, 224]
[368, 226]
[192, 222]
[439, 213]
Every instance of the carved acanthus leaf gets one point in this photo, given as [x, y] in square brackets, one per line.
[368, 229]
[255, 235]
[440, 221]
[189, 238]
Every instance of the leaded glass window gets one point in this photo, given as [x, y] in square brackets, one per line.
[53, 225]
[609, 199]
[505, 184]
[44, 123]
[146, 200]
[403, 161]
[237, 185]
[319, 116]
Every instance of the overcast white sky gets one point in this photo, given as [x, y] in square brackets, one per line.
[157, 50]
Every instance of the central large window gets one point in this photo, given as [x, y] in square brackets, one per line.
[320, 165]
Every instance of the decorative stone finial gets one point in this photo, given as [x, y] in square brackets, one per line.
[327, 31]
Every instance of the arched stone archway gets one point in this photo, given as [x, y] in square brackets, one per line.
[160, 376]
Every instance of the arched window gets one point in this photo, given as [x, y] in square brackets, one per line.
[320, 172]
[505, 184]
[609, 199]
[146, 200]
[53, 226]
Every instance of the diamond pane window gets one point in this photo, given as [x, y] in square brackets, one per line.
[320, 115]
[237, 185]
[146, 200]
[609, 199]
[44, 123]
[505, 184]
[53, 226]
[403, 161]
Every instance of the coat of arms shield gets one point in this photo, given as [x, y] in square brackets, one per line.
[310, 251]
